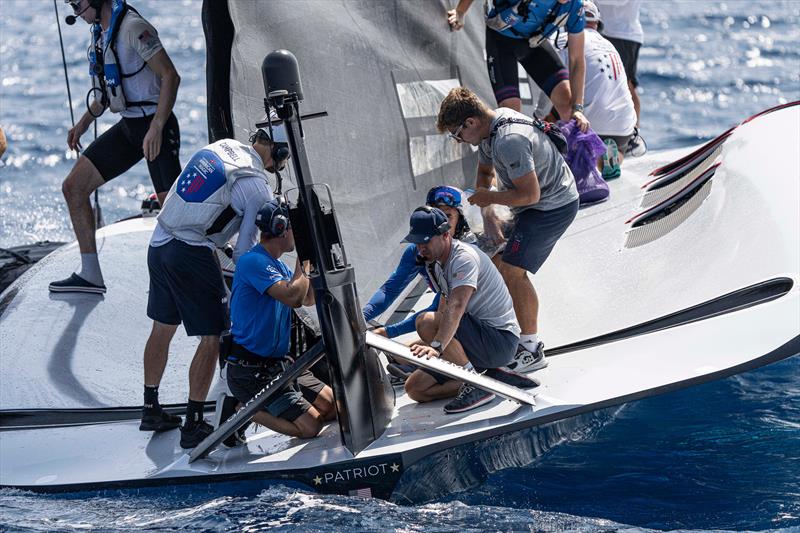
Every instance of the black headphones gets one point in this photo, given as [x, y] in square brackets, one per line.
[277, 224]
[442, 227]
[280, 151]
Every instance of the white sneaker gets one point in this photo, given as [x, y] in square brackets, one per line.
[527, 361]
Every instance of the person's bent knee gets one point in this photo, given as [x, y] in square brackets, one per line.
[426, 326]
[308, 424]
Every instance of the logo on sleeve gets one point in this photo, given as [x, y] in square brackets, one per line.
[203, 176]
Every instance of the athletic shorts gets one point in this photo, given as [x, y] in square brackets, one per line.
[541, 63]
[294, 400]
[186, 286]
[535, 233]
[120, 147]
[629, 53]
[485, 346]
[621, 140]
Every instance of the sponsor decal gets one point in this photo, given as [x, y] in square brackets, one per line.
[202, 177]
[229, 151]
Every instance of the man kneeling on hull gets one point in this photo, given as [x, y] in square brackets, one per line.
[474, 326]
[264, 292]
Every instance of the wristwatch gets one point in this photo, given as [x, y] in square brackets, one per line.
[436, 345]
[578, 107]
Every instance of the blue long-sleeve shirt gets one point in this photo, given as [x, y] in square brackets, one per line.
[407, 269]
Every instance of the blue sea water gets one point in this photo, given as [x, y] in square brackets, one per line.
[724, 455]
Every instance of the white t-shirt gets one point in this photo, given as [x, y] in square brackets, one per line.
[607, 101]
[137, 42]
[621, 19]
[248, 195]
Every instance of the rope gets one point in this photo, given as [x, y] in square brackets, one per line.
[98, 214]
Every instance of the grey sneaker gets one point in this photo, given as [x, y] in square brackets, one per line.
[526, 361]
[469, 397]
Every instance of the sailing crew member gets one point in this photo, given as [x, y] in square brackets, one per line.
[218, 193]
[534, 181]
[140, 84]
[265, 290]
[608, 100]
[623, 29]
[474, 325]
[517, 31]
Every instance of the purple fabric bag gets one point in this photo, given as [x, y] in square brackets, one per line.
[583, 151]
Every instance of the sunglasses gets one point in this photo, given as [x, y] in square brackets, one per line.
[457, 134]
[76, 5]
[444, 195]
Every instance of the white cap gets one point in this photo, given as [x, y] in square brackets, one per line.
[590, 12]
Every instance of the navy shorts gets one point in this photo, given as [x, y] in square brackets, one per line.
[485, 346]
[186, 286]
[541, 63]
[294, 400]
[535, 233]
[629, 53]
[120, 147]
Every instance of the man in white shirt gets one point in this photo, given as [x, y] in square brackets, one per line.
[622, 27]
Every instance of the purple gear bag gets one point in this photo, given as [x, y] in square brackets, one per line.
[583, 151]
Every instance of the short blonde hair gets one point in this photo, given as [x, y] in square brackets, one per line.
[459, 105]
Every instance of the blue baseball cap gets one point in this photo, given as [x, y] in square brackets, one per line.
[426, 222]
[264, 218]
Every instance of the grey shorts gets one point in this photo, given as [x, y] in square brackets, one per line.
[485, 346]
[535, 233]
[621, 140]
[186, 286]
[294, 400]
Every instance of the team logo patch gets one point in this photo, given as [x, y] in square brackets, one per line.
[203, 176]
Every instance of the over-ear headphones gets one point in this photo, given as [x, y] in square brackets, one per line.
[440, 219]
[273, 218]
[280, 150]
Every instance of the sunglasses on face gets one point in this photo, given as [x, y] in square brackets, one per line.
[76, 5]
[457, 134]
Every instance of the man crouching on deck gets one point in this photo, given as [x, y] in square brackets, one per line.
[474, 327]
[264, 292]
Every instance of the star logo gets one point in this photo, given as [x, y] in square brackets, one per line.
[395, 467]
[317, 480]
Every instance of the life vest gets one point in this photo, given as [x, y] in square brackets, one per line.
[198, 206]
[108, 80]
[511, 18]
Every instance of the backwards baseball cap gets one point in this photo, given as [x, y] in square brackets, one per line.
[426, 222]
[278, 129]
[592, 14]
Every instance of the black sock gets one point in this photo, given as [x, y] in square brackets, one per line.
[151, 398]
[194, 413]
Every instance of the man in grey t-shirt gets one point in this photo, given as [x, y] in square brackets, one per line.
[534, 181]
[474, 326]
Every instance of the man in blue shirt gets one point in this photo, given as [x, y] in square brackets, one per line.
[264, 292]
[518, 31]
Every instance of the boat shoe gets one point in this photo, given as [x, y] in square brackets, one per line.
[75, 283]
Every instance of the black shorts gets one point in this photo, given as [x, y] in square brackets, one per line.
[245, 382]
[535, 233]
[541, 63]
[120, 147]
[186, 286]
[629, 53]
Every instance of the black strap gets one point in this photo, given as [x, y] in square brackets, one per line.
[222, 220]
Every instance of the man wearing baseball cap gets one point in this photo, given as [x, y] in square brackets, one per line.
[474, 326]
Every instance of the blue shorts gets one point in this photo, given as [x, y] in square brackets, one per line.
[186, 286]
[534, 233]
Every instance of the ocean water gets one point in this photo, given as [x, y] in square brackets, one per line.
[724, 455]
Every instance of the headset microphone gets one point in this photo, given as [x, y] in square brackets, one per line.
[71, 19]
